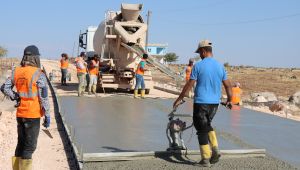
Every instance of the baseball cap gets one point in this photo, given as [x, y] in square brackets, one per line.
[31, 50]
[203, 43]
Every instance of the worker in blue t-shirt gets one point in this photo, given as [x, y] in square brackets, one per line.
[209, 75]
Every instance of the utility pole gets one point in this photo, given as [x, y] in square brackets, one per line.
[147, 34]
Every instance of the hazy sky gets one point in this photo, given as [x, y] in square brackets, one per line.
[243, 32]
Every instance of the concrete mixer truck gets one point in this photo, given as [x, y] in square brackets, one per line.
[120, 41]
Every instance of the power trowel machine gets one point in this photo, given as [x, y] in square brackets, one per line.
[175, 129]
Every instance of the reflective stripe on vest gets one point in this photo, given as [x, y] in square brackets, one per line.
[25, 79]
[80, 61]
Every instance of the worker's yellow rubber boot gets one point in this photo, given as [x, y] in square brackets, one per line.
[214, 147]
[15, 163]
[135, 93]
[205, 151]
[25, 164]
[213, 139]
[205, 155]
[143, 94]
[94, 88]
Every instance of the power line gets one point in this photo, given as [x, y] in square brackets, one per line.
[195, 7]
[241, 22]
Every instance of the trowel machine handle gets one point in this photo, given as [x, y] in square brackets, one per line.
[171, 115]
[229, 106]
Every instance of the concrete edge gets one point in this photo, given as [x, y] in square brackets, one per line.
[74, 150]
[127, 156]
[166, 90]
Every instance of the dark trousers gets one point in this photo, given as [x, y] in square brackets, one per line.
[64, 73]
[202, 117]
[28, 132]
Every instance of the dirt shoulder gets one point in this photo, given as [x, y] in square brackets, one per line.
[50, 153]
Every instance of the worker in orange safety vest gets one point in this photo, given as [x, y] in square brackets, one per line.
[64, 64]
[93, 74]
[236, 94]
[32, 103]
[81, 73]
[188, 70]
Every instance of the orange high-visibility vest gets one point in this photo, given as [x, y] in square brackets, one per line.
[25, 79]
[64, 64]
[95, 69]
[79, 60]
[188, 72]
[139, 70]
[236, 95]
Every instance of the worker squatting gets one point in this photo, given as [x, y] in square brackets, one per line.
[31, 95]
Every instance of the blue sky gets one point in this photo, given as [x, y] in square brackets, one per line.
[249, 32]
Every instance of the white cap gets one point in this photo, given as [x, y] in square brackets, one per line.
[203, 43]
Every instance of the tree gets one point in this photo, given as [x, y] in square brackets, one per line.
[170, 57]
[3, 51]
[226, 64]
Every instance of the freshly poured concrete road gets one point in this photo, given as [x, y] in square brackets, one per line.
[119, 123]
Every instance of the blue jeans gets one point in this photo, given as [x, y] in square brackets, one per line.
[139, 82]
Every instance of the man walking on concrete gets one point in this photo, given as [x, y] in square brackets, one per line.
[208, 75]
[64, 64]
[32, 104]
[81, 73]
[139, 77]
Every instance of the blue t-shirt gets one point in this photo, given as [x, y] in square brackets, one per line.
[209, 74]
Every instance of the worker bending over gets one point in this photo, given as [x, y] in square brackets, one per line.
[236, 94]
[64, 64]
[81, 73]
[93, 73]
[208, 75]
[139, 77]
[32, 104]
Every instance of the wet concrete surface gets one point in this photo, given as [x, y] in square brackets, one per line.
[123, 124]
[119, 124]
[265, 163]
[279, 136]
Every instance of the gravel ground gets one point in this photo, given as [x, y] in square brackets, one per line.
[179, 164]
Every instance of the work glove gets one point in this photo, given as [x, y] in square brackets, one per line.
[17, 99]
[46, 123]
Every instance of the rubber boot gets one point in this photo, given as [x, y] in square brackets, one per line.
[25, 164]
[15, 163]
[94, 88]
[214, 147]
[143, 94]
[205, 155]
[135, 93]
